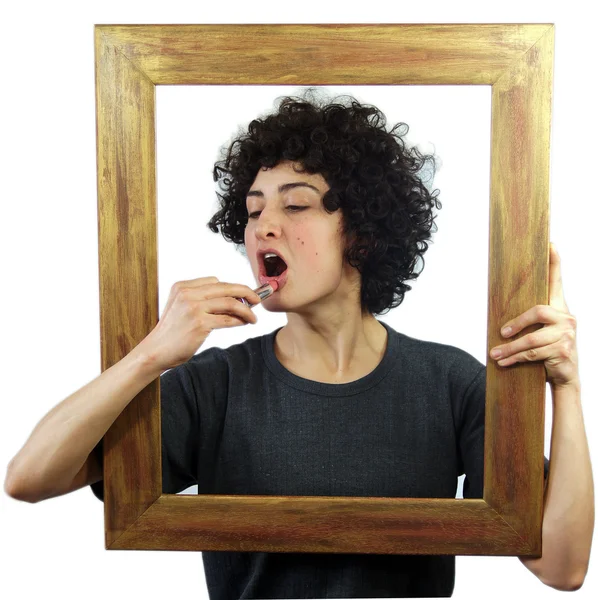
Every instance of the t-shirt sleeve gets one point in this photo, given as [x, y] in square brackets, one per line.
[180, 433]
[471, 432]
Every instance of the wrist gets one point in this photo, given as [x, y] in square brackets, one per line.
[145, 360]
[572, 385]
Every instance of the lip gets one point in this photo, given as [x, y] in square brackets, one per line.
[260, 253]
[280, 279]
[263, 277]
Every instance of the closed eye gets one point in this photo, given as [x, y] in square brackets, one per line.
[251, 216]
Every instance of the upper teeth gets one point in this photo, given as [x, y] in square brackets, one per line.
[269, 254]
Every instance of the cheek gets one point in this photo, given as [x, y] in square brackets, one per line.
[317, 254]
[306, 241]
[250, 249]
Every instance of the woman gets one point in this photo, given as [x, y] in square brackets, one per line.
[335, 402]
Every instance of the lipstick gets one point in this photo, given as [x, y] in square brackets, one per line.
[264, 291]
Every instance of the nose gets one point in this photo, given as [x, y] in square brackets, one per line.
[266, 225]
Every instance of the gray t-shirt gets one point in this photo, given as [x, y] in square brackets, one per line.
[236, 421]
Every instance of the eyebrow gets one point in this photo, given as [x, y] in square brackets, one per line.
[284, 187]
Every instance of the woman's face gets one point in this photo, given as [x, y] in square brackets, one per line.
[293, 221]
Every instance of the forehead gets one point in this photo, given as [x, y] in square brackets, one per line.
[283, 172]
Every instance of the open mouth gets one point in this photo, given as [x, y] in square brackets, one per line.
[274, 266]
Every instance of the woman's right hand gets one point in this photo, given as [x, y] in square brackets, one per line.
[194, 309]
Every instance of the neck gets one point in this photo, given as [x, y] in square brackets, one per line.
[335, 344]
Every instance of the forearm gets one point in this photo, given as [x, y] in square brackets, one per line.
[61, 442]
[568, 522]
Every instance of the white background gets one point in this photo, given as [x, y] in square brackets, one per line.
[441, 299]
[452, 121]
[48, 237]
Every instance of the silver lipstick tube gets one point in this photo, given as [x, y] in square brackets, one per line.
[263, 292]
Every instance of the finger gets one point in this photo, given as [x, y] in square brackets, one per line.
[556, 293]
[199, 281]
[541, 313]
[537, 339]
[533, 354]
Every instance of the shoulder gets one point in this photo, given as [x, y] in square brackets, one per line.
[441, 359]
[220, 364]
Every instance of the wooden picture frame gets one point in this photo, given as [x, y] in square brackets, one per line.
[517, 61]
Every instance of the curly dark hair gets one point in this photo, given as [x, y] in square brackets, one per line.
[386, 209]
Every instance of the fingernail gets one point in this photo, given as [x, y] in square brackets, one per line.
[506, 331]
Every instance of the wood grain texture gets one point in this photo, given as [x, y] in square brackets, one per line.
[324, 54]
[125, 113]
[321, 524]
[518, 279]
[517, 61]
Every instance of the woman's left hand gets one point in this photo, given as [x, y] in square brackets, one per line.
[555, 343]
